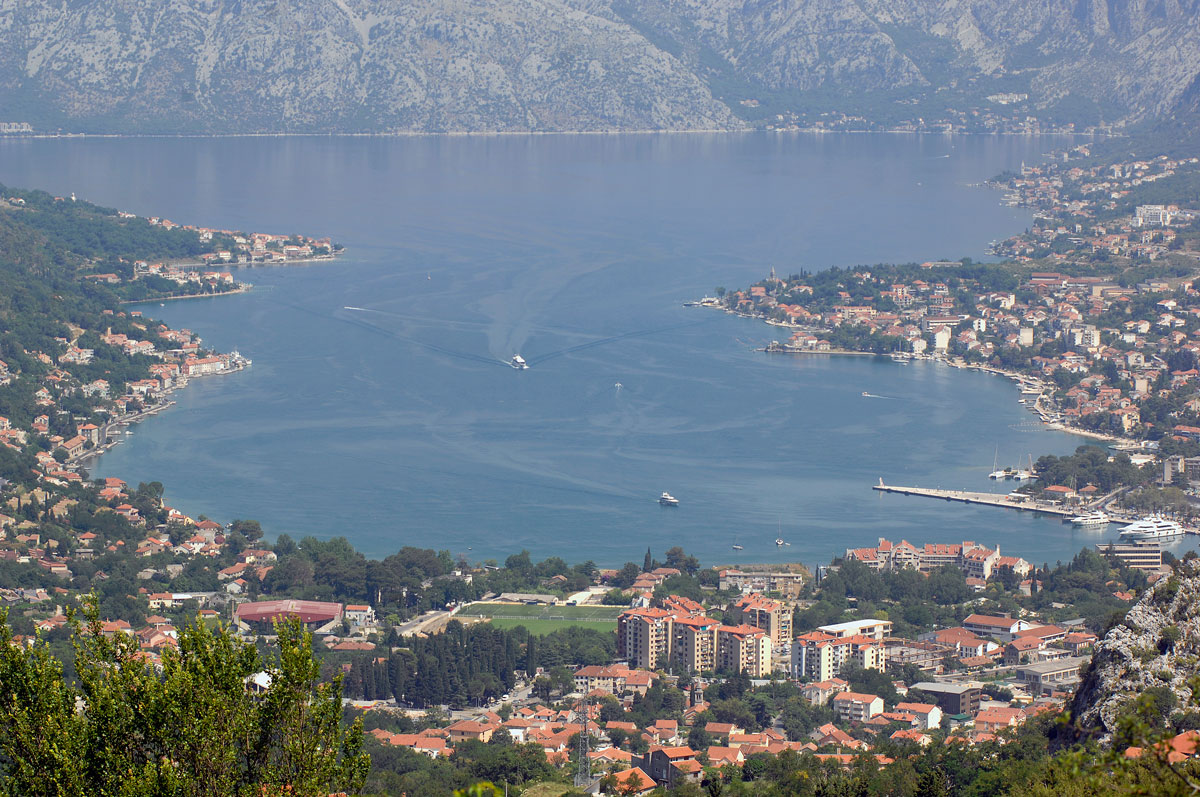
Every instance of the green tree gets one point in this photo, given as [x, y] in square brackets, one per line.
[193, 728]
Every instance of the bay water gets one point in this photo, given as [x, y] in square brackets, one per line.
[380, 405]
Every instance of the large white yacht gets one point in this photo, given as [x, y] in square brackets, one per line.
[1154, 528]
[1096, 518]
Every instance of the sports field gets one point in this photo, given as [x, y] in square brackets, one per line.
[542, 620]
[543, 627]
[507, 611]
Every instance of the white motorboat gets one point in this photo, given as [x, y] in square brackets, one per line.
[1152, 528]
[666, 499]
[518, 362]
[1096, 518]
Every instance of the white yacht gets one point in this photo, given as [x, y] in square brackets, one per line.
[1096, 518]
[518, 362]
[1152, 528]
[666, 499]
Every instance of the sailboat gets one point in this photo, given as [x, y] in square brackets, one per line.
[736, 545]
[996, 472]
[1024, 473]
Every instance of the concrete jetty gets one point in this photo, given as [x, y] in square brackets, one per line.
[983, 499]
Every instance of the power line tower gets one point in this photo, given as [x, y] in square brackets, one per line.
[583, 774]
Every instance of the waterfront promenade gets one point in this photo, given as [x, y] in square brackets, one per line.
[986, 499]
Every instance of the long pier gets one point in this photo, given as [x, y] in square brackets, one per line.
[983, 499]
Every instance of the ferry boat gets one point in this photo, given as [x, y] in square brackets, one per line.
[1152, 528]
[1096, 518]
[518, 362]
[666, 499]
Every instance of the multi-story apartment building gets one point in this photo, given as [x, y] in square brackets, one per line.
[644, 637]
[822, 654]
[744, 649]
[680, 635]
[694, 642]
[857, 707]
[772, 616]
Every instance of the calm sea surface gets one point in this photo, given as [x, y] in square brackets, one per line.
[399, 423]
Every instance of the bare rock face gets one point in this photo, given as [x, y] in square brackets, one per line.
[1157, 645]
[343, 65]
[212, 66]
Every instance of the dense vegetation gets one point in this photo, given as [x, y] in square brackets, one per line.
[192, 729]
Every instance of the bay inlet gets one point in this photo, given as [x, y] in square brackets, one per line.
[401, 422]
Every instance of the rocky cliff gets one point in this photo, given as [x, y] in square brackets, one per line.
[1156, 647]
[497, 65]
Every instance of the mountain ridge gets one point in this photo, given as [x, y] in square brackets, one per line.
[238, 66]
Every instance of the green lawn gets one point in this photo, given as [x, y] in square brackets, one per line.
[519, 610]
[543, 627]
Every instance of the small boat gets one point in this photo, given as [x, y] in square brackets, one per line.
[737, 547]
[519, 363]
[1096, 518]
[666, 499]
[779, 540]
[866, 394]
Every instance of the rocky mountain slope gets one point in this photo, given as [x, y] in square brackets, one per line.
[496, 65]
[1155, 649]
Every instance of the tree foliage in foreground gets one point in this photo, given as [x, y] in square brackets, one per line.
[192, 728]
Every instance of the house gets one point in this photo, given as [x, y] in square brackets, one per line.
[359, 614]
[632, 783]
[470, 729]
[670, 766]
[929, 716]
[819, 692]
[991, 720]
[856, 706]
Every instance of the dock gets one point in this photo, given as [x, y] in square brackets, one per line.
[982, 499]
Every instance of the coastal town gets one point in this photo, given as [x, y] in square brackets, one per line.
[665, 675]
[1094, 315]
[660, 708]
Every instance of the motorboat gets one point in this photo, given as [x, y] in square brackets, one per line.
[666, 499]
[1152, 528]
[518, 362]
[1096, 518]
[779, 540]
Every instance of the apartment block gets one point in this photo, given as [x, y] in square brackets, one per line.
[772, 616]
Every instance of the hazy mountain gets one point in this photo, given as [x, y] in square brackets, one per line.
[433, 65]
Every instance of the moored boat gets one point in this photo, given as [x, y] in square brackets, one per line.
[1096, 518]
[1152, 528]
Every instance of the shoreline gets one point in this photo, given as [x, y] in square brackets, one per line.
[114, 438]
[497, 133]
[1015, 376]
[243, 287]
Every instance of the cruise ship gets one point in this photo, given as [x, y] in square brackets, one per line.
[1155, 529]
[518, 362]
[1096, 518]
